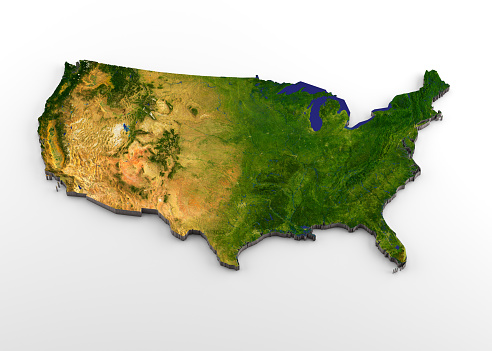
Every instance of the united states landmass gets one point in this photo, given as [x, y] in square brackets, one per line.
[233, 159]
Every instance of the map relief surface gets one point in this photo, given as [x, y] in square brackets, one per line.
[235, 160]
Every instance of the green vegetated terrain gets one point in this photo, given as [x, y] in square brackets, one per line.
[294, 178]
[288, 178]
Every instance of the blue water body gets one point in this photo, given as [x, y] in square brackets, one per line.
[316, 104]
[125, 127]
[397, 247]
[80, 187]
[316, 121]
[372, 116]
[382, 109]
[308, 88]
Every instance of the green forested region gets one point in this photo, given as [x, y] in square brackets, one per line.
[294, 178]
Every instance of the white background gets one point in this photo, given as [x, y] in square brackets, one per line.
[74, 276]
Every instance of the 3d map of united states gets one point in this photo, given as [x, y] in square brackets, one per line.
[235, 160]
